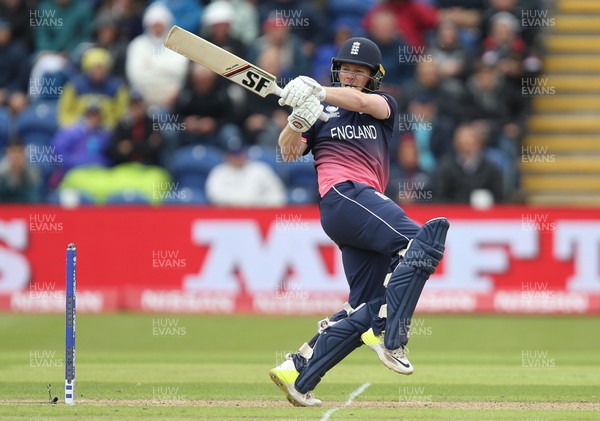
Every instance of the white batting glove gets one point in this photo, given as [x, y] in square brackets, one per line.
[299, 89]
[304, 116]
[317, 89]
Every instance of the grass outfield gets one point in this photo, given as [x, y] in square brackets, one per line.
[134, 366]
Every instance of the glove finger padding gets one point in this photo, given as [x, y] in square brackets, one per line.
[299, 89]
[304, 116]
[315, 87]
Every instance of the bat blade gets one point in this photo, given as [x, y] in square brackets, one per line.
[221, 62]
[224, 63]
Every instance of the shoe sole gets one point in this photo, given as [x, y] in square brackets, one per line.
[384, 360]
[284, 388]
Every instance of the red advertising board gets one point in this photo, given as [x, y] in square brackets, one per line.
[279, 261]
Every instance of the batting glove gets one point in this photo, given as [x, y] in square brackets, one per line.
[304, 116]
[299, 89]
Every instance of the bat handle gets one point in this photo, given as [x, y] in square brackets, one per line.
[323, 117]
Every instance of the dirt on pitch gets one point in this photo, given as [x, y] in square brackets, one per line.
[451, 405]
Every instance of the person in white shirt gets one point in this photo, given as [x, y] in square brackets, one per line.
[152, 69]
[242, 182]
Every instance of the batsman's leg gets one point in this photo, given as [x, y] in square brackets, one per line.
[406, 283]
[335, 343]
[285, 374]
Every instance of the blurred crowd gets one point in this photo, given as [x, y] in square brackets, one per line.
[89, 95]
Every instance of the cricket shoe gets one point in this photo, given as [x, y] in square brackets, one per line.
[394, 359]
[284, 376]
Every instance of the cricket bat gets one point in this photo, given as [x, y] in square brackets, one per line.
[224, 63]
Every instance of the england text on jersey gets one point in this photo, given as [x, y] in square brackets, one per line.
[354, 132]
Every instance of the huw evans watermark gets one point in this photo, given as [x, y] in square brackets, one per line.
[44, 18]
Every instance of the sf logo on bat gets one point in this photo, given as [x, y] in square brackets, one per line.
[255, 81]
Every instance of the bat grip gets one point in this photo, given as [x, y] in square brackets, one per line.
[323, 117]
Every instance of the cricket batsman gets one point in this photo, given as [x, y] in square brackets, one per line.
[387, 257]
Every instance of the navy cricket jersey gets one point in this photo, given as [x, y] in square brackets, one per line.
[352, 146]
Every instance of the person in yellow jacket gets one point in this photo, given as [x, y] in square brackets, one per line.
[93, 84]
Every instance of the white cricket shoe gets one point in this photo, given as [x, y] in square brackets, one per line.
[394, 359]
[284, 376]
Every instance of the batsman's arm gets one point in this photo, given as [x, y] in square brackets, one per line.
[354, 100]
[291, 144]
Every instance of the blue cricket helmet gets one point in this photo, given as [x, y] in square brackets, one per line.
[358, 50]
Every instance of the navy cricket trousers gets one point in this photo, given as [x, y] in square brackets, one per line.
[370, 229]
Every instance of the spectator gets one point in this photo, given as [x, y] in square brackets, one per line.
[152, 69]
[186, 13]
[466, 15]
[9, 116]
[502, 151]
[127, 13]
[453, 59]
[107, 35]
[505, 49]
[245, 25]
[16, 12]
[447, 93]
[205, 108]
[486, 99]
[513, 8]
[217, 23]
[17, 102]
[19, 183]
[48, 75]
[292, 59]
[321, 63]
[94, 83]
[300, 17]
[351, 10]
[134, 139]
[462, 175]
[413, 19]
[85, 143]
[431, 131]
[61, 25]
[14, 69]
[489, 102]
[504, 44]
[264, 118]
[244, 183]
[384, 33]
[408, 182]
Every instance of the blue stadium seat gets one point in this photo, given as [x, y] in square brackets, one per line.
[64, 197]
[186, 196]
[353, 10]
[191, 164]
[302, 172]
[4, 125]
[301, 181]
[127, 197]
[300, 196]
[265, 154]
[506, 165]
[271, 156]
[50, 86]
[37, 124]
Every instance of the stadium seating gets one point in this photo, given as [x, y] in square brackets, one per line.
[191, 164]
[301, 181]
[265, 154]
[37, 124]
[127, 197]
[186, 196]
[69, 198]
[4, 127]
